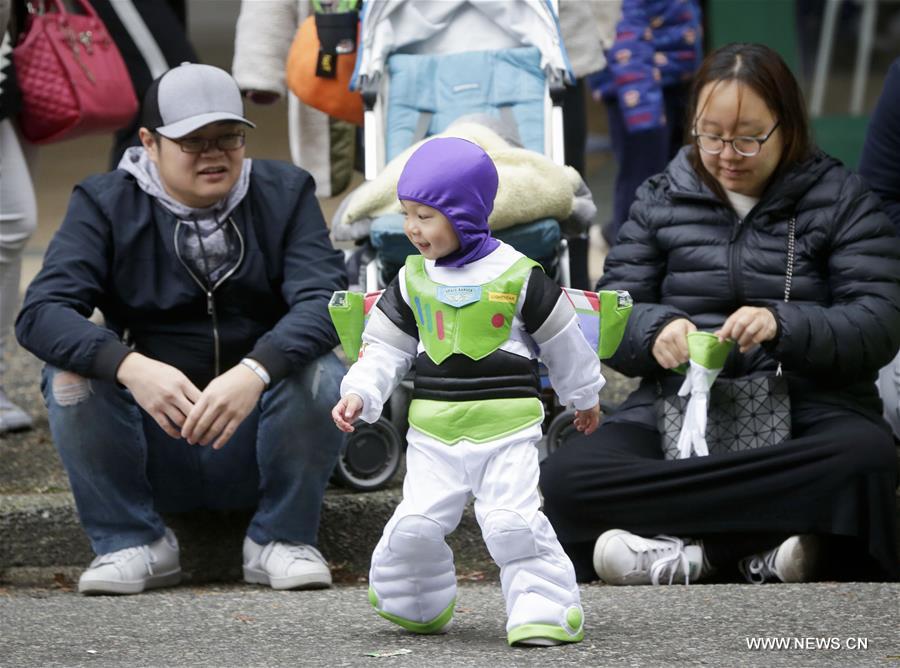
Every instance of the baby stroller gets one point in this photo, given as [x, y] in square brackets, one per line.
[418, 73]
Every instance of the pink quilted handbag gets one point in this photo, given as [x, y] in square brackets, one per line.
[71, 75]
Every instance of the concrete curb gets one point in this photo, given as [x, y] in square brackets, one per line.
[43, 539]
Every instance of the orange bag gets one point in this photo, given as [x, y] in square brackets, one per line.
[320, 65]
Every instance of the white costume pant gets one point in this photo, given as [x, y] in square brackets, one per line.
[412, 571]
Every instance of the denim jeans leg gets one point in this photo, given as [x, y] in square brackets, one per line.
[187, 477]
[97, 429]
[297, 448]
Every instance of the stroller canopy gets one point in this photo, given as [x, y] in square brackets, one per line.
[453, 26]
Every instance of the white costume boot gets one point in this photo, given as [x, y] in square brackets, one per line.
[412, 581]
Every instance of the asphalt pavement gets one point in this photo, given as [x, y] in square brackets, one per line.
[702, 625]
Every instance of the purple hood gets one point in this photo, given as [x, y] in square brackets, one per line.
[458, 179]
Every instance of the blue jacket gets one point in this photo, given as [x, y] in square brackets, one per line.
[116, 251]
[658, 43]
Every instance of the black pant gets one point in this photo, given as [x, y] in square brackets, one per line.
[575, 138]
[835, 477]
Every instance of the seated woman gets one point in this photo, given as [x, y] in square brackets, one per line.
[706, 248]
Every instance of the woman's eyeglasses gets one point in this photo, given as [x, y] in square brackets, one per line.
[745, 146]
[224, 143]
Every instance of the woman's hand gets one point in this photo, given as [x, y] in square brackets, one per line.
[346, 411]
[749, 326]
[670, 348]
[222, 406]
[587, 420]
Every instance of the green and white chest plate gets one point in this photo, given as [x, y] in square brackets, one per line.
[471, 320]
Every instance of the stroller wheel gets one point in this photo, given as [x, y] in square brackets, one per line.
[370, 458]
[560, 429]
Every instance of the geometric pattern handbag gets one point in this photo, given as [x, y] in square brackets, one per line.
[743, 413]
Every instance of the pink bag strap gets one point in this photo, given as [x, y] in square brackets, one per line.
[41, 8]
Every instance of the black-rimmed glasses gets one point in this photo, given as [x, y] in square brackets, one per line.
[745, 146]
[230, 142]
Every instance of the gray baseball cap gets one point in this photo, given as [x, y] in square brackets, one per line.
[190, 96]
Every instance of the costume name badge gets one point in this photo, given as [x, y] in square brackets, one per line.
[504, 297]
[458, 295]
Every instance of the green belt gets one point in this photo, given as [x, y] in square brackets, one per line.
[476, 421]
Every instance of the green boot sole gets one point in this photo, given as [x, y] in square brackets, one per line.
[436, 625]
[521, 635]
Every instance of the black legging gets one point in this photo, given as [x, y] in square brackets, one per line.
[835, 477]
[575, 138]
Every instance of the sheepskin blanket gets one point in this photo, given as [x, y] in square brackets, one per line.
[531, 187]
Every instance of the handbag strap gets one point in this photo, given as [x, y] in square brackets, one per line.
[43, 5]
[789, 270]
[39, 8]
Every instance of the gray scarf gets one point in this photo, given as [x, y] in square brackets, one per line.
[209, 245]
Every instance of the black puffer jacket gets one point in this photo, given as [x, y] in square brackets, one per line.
[683, 253]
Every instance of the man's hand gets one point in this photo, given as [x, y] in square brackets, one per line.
[222, 406]
[670, 348]
[160, 389]
[586, 421]
[346, 411]
[749, 326]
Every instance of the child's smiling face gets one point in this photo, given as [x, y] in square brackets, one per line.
[428, 230]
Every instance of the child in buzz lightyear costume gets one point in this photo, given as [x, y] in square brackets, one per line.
[472, 313]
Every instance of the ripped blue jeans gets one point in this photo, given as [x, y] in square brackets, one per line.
[124, 469]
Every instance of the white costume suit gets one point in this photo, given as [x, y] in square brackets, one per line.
[412, 573]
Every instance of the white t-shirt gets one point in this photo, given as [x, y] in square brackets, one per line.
[741, 203]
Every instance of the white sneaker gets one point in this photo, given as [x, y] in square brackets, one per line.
[285, 565]
[12, 417]
[134, 569]
[622, 558]
[794, 560]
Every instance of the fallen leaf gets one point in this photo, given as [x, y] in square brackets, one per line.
[391, 652]
[62, 582]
